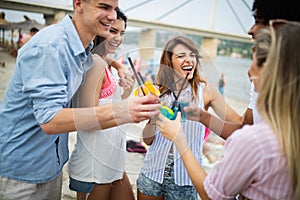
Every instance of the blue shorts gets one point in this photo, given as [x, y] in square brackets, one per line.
[81, 186]
[168, 188]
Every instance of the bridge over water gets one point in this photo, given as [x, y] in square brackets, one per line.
[54, 13]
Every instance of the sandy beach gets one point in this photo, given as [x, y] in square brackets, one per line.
[133, 131]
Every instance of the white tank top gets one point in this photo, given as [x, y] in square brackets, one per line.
[99, 156]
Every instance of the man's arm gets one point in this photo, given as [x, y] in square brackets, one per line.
[135, 109]
[228, 119]
[223, 128]
[248, 117]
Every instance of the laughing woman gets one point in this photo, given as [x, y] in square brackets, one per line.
[163, 174]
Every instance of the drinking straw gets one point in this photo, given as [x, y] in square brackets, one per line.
[136, 75]
[175, 104]
[169, 88]
[141, 77]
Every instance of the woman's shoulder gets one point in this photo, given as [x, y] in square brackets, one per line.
[99, 63]
[98, 59]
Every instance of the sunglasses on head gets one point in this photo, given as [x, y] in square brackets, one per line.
[273, 23]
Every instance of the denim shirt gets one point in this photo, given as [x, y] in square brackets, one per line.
[49, 69]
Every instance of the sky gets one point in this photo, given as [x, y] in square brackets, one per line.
[230, 16]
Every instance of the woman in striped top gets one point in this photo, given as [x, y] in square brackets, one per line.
[260, 161]
[163, 174]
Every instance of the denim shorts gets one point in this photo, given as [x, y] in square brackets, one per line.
[81, 186]
[168, 188]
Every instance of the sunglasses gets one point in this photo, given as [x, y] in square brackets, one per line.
[275, 23]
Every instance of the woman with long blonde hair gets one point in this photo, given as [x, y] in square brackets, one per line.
[279, 98]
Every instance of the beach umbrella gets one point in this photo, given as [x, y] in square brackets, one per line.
[27, 25]
[3, 22]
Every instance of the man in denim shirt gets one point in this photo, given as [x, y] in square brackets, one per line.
[35, 111]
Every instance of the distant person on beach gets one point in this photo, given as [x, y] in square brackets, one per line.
[32, 32]
[97, 164]
[221, 83]
[35, 114]
[19, 42]
[163, 174]
[263, 12]
[2, 15]
[267, 167]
